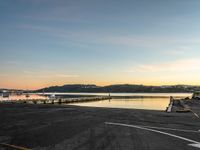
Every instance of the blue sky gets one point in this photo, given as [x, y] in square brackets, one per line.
[55, 42]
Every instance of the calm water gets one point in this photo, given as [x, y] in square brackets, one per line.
[155, 103]
[126, 94]
[23, 97]
[136, 103]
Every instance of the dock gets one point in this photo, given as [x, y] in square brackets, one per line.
[178, 105]
[169, 108]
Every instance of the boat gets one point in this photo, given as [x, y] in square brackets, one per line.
[19, 93]
[27, 95]
[5, 94]
[52, 96]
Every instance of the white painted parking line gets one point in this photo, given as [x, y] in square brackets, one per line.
[195, 145]
[193, 142]
[181, 130]
[195, 114]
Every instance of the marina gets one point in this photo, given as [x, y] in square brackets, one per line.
[149, 101]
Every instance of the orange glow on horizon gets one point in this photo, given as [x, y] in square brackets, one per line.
[36, 86]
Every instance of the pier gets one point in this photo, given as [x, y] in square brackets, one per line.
[59, 100]
[169, 108]
[178, 105]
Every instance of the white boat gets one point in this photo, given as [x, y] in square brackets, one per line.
[52, 96]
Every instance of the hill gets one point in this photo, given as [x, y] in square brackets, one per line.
[121, 88]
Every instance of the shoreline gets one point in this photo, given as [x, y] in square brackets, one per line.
[90, 97]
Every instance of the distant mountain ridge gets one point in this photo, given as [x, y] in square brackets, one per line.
[120, 88]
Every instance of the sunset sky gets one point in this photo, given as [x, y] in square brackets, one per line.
[56, 42]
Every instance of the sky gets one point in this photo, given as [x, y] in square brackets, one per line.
[103, 42]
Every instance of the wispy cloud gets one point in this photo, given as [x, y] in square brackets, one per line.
[11, 62]
[4, 75]
[48, 74]
[28, 72]
[178, 51]
[67, 75]
[152, 41]
[174, 66]
[99, 37]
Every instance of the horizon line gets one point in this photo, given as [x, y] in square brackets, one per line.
[2, 88]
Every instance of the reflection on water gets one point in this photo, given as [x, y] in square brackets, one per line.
[125, 94]
[22, 97]
[136, 103]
